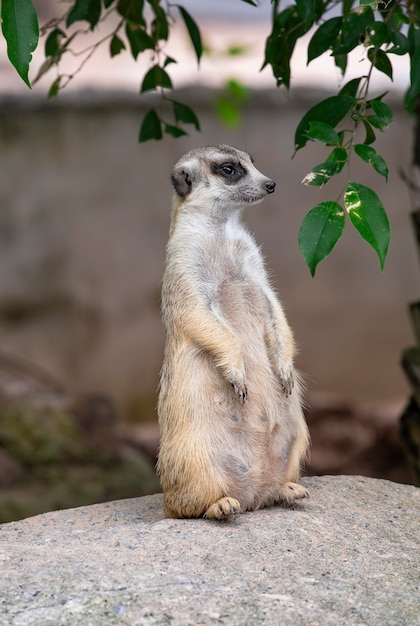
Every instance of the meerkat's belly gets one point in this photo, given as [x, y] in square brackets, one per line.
[245, 443]
[259, 432]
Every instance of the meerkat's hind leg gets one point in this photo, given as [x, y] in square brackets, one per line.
[223, 508]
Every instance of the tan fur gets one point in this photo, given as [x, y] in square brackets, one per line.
[233, 434]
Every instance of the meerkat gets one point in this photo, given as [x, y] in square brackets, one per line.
[233, 434]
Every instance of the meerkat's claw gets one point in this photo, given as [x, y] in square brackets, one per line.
[287, 386]
[287, 383]
[241, 391]
[236, 378]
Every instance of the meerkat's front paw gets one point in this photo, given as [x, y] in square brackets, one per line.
[223, 508]
[286, 379]
[236, 378]
[241, 391]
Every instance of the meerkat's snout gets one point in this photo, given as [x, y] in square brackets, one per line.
[270, 186]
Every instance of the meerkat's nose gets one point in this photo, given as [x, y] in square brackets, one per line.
[270, 186]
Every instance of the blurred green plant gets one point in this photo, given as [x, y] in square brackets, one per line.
[346, 123]
[230, 101]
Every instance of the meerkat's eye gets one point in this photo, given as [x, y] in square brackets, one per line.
[227, 169]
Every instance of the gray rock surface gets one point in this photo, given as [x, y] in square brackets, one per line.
[349, 555]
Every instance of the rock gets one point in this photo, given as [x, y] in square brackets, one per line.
[349, 555]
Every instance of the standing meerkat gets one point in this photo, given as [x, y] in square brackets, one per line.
[233, 434]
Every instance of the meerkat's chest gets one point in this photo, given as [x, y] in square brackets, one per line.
[234, 258]
[233, 276]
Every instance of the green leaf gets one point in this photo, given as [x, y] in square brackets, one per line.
[254, 4]
[383, 114]
[401, 43]
[237, 90]
[287, 28]
[339, 156]
[414, 89]
[350, 88]
[185, 114]
[370, 135]
[132, 10]
[347, 5]
[168, 61]
[320, 131]
[353, 31]
[320, 231]
[375, 121]
[341, 136]
[156, 77]
[160, 27]
[21, 31]
[379, 59]
[228, 111]
[57, 43]
[331, 111]
[321, 174]
[377, 35]
[53, 91]
[341, 62]
[85, 10]
[151, 127]
[369, 155]
[174, 131]
[230, 101]
[395, 15]
[53, 43]
[116, 46]
[380, 98]
[368, 216]
[324, 38]
[235, 50]
[193, 32]
[138, 39]
[306, 10]
[107, 3]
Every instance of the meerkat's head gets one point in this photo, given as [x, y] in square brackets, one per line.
[218, 179]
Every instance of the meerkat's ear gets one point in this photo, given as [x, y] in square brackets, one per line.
[182, 179]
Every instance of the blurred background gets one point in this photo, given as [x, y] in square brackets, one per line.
[84, 217]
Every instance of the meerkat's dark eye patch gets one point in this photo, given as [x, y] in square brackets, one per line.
[229, 170]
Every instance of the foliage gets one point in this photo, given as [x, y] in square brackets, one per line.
[20, 29]
[346, 123]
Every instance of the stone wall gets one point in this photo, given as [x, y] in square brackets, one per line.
[84, 214]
